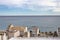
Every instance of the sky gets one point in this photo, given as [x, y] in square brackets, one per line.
[29, 7]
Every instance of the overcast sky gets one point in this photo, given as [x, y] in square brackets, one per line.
[29, 7]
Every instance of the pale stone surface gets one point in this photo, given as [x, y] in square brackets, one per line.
[35, 38]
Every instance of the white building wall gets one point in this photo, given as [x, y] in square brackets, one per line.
[5, 37]
[26, 29]
[16, 34]
[28, 34]
[38, 31]
[0, 37]
[59, 32]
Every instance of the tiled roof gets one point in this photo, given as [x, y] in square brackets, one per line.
[20, 28]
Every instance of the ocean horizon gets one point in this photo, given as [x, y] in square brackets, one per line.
[45, 23]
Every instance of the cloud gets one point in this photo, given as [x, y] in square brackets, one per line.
[42, 2]
[41, 5]
[12, 3]
[56, 10]
[30, 4]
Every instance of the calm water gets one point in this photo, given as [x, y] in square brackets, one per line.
[45, 23]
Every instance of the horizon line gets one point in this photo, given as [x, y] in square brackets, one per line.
[28, 15]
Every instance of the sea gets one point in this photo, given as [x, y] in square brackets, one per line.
[44, 23]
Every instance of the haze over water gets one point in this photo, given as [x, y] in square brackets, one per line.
[45, 23]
